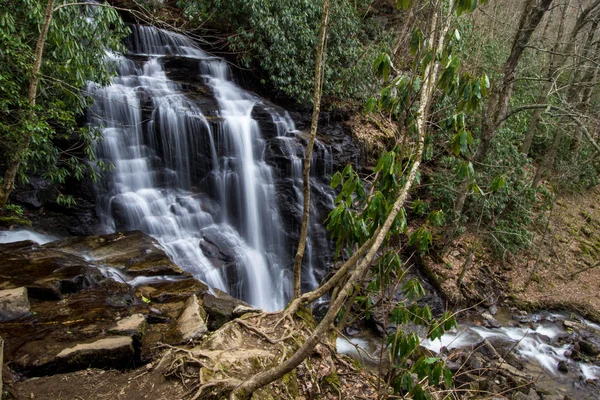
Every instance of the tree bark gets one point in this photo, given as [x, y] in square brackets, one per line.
[15, 162]
[319, 67]
[548, 160]
[497, 109]
[546, 90]
[576, 95]
[266, 377]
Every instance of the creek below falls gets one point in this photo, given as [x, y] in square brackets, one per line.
[214, 173]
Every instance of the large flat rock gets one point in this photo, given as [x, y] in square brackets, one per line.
[110, 352]
[46, 273]
[133, 252]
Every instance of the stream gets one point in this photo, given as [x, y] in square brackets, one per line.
[558, 350]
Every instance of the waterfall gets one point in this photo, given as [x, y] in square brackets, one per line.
[192, 174]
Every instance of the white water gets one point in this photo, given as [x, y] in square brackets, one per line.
[23, 234]
[185, 177]
[535, 345]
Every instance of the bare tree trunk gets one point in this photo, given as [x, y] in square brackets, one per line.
[13, 166]
[576, 94]
[266, 377]
[319, 67]
[548, 160]
[546, 90]
[497, 109]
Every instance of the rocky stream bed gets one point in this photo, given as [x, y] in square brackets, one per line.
[117, 302]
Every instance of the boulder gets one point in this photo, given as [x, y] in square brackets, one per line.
[191, 323]
[489, 321]
[14, 304]
[219, 308]
[588, 348]
[110, 352]
[134, 326]
[563, 367]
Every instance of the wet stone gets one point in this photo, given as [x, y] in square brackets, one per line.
[563, 367]
[46, 273]
[588, 348]
[14, 304]
[134, 252]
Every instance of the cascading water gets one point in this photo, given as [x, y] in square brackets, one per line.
[194, 178]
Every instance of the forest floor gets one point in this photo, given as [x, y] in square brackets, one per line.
[561, 270]
[237, 351]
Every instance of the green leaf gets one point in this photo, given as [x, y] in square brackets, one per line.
[456, 34]
[404, 4]
[498, 183]
[371, 105]
[416, 41]
[336, 179]
[382, 66]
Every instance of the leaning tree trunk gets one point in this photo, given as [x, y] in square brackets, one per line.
[319, 68]
[15, 161]
[266, 377]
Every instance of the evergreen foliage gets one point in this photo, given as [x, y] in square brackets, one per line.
[75, 53]
[279, 37]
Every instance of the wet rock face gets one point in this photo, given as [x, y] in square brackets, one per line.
[65, 314]
[134, 252]
[46, 273]
[39, 201]
[333, 132]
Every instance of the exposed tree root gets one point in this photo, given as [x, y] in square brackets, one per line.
[265, 336]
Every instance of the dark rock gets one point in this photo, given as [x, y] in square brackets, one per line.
[172, 290]
[134, 252]
[563, 367]
[219, 308]
[262, 113]
[46, 273]
[476, 363]
[487, 349]
[588, 348]
[514, 360]
[37, 193]
[218, 243]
